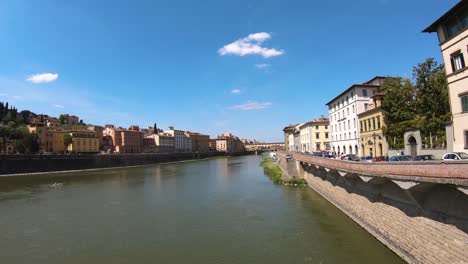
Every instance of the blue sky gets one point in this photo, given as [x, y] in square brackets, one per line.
[199, 65]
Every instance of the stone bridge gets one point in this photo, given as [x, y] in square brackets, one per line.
[418, 209]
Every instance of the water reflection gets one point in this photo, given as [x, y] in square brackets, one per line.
[215, 211]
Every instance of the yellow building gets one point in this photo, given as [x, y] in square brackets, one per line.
[83, 141]
[371, 139]
[49, 140]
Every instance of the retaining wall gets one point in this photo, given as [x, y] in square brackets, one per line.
[18, 164]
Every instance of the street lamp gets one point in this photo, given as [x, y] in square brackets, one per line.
[374, 136]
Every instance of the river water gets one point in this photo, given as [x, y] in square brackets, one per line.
[222, 210]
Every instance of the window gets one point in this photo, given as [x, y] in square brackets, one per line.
[317, 146]
[354, 122]
[316, 127]
[457, 23]
[354, 111]
[326, 127]
[317, 135]
[457, 61]
[373, 122]
[349, 124]
[349, 135]
[361, 126]
[378, 122]
[366, 106]
[355, 134]
[347, 111]
[368, 124]
[466, 139]
[326, 135]
[364, 92]
[464, 103]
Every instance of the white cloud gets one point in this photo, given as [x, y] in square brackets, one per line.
[251, 105]
[58, 106]
[43, 77]
[235, 91]
[250, 45]
[262, 66]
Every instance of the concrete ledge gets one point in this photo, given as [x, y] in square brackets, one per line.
[452, 172]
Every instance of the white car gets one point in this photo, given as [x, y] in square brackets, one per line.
[455, 156]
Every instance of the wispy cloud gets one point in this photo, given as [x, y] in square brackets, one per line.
[251, 105]
[43, 77]
[250, 45]
[58, 106]
[262, 66]
[236, 91]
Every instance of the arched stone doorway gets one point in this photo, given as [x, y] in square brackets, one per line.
[350, 150]
[356, 149]
[413, 146]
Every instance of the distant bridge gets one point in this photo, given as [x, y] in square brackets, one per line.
[264, 146]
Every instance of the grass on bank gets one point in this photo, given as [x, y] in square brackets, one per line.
[273, 171]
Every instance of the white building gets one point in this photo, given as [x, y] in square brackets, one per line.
[179, 139]
[452, 30]
[343, 113]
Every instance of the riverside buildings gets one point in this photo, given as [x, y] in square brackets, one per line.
[182, 143]
[343, 113]
[372, 140]
[452, 32]
[125, 140]
[315, 135]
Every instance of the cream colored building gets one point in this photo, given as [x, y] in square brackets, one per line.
[452, 30]
[83, 141]
[315, 135]
[372, 141]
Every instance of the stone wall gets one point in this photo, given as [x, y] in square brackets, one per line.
[425, 224]
[288, 166]
[18, 164]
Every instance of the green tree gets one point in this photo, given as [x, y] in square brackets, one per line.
[431, 90]
[398, 108]
[67, 140]
[63, 118]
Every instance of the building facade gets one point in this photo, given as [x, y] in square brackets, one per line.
[48, 139]
[125, 140]
[452, 31]
[343, 113]
[371, 139]
[200, 142]
[315, 135]
[83, 141]
[229, 143]
[180, 141]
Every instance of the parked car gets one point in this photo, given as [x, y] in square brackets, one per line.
[288, 156]
[424, 157]
[379, 159]
[455, 156]
[400, 158]
[366, 159]
[350, 157]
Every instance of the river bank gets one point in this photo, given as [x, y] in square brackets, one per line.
[15, 165]
[273, 171]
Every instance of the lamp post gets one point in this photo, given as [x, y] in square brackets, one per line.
[374, 136]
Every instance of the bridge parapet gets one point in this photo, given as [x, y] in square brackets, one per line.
[442, 172]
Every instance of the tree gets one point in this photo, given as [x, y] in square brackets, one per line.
[398, 108]
[67, 140]
[63, 119]
[431, 90]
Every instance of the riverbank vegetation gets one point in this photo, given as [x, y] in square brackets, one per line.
[273, 171]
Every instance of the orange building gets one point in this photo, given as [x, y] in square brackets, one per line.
[125, 140]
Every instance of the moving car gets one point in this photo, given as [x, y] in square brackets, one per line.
[366, 158]
[424, 157]
[455, 156]
[379, 159]
[350, 157]
[400, 158]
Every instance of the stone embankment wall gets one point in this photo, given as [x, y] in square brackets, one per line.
[20, 164]
[288, 166]
[428, 224]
